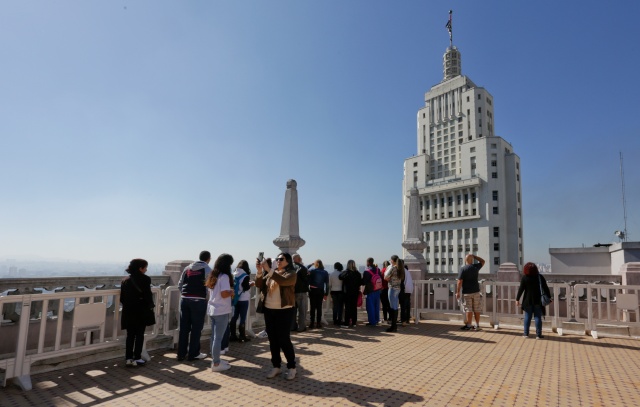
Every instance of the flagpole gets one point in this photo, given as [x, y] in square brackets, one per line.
[450, 28]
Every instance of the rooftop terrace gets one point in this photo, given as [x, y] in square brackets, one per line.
[430, 363]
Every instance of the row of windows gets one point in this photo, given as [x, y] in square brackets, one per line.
[448, 234]
[438, 249]
[435, 215]
[448, 200]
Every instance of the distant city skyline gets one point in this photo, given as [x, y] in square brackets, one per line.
[162, 129]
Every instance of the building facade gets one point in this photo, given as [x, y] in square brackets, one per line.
[468, 178]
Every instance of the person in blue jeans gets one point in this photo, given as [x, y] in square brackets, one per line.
[241, 295]
[193, 307]
[219, 307]
[531, 284]
[394, 275]
[372, 273]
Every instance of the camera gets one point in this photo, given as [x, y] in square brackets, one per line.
[260, 257]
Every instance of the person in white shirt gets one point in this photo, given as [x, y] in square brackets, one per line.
[219, 307]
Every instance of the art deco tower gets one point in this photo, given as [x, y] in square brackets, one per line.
[468, 179]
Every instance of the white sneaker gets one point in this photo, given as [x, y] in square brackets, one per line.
[274, 372]
[201, 356]
[291, 374]
[221, 367]
[131, 363]
[224, 351]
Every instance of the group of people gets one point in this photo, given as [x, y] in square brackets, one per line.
[284, 288]
[390, 287]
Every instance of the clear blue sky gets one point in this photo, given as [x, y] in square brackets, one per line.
[157, 129]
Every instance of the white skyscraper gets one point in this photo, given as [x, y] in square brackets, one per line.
[468, 178]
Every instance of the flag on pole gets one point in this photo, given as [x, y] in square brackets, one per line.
[449, 22]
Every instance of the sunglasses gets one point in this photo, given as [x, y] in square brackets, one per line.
[280, 259]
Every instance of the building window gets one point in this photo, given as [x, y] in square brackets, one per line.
[494, 175]
[494, 145]
[472, 150]
[496, 247]
[495, 195]
[496, 231]
[494, 163]
[518, 211]
[473, 197]
[479, 96]
[496, 261]
[495, 210]
[517, 177]
[474, 211]
[459, 213]
[459, 247]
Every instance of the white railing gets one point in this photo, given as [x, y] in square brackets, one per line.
[54, 331]
[57, 334]
[591, 306]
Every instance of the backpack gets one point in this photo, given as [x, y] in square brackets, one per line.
[376, 281]
[237, 288]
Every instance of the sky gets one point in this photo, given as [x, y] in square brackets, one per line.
[158, 129]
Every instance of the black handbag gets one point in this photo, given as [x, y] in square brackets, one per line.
[544, 298]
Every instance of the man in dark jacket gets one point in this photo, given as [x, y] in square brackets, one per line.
[193, 307]
[302, 296]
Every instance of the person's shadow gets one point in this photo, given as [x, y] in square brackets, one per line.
[303, 384]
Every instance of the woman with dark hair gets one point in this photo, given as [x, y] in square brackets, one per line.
[531, 284]
[394, 275]
[384, 294]
[277, 296]
[137, 310]
[351, 282]
[318, 291]
[241, 295]
[219, 308]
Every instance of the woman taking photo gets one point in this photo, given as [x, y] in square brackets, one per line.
[137, 310]
[219, 308]
[277, 296]
[351, 282]
[394, 275]
[531, 284]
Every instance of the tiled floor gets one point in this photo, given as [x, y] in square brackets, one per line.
[433, 363]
